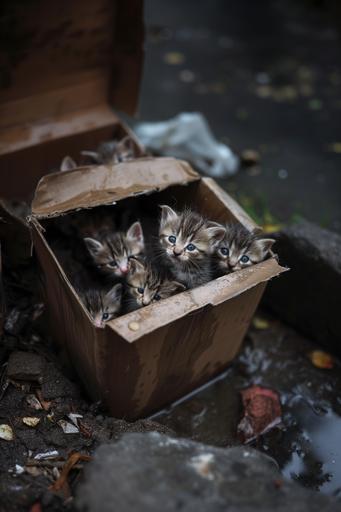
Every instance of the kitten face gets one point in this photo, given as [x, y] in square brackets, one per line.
[240, 249]
[113, 254]
[186, 238]
[146, 286]
[112, 152]
[103, 306]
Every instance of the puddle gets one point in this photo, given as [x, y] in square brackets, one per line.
[307, 445]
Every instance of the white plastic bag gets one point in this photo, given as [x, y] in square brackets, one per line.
[189, 137]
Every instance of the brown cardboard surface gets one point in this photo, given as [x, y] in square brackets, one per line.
[88, 187]
[144, 360]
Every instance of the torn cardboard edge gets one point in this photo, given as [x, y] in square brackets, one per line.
[88, 187]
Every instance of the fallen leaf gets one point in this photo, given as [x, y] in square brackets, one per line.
[321, 359]
[260, 323]
[6, 432]
[72, 461]
[335, 147]
[262, 412]
[33, 402]
[271, 228]
[174, 58]
[52, 454]
[31, 421]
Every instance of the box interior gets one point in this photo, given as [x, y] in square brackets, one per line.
[199, 196]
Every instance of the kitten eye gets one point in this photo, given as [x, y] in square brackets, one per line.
[157, 296]
[244, 259]
[105, 316]
[112, 264]
[224, 251]
[172, 239]
[140, 290]
[190, 247]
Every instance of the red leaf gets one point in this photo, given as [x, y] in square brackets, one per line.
[262, 412]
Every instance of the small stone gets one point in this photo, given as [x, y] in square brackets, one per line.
[134, 326]
[25, 366]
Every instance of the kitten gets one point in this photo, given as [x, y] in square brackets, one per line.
[103, 305]
[146, 285]
[240, 249]
[112, 253]
[112, 152]
[68, 164]
[186, 242]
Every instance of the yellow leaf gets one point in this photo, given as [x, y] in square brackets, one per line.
[260, 323]
[321, 359]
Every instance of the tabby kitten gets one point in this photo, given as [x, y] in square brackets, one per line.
[112, 253]
[240, 249]
[102, 305]
[112, 152]
[186, 242]
[145, 285]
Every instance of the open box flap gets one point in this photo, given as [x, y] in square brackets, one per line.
[88, 187]
[133, 326]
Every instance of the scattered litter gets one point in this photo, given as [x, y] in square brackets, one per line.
[71, 462]
[52, 454]
[321, 359]
[188, 136]
[19, 470]
[262, 412]
[203, 465]
[74, 418]
[33, 402]
[6, 432]
[68, 428]
[260, 323]
[31, 421]
[250, 156]
[174, 58]
[33, 470]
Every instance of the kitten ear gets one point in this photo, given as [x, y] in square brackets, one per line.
[167, 214]
[114, 294]
[126, 144]
[265, 244]
[68, 164]
[135, 233]
[216, 232]
[93, 155]
[94, 246]
[136, 266]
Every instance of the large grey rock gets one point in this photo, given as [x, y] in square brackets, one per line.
[154, 473]
[309, 296]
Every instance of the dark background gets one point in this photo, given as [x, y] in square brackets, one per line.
[267, 76]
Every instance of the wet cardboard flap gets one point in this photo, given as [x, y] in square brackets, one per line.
[88, 187]
[155, 316]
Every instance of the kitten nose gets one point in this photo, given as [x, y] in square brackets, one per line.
[124, 269]
[177, 252]
[145, 302]
[98, 322]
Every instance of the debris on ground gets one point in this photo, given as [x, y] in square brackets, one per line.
[321, 359]
[189, 137]
[262, 412]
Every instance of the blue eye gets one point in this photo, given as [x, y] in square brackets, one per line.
[112, 264]
[157, 296]
[244, 259]
[190, 247]
[224, 251]
[172, 239]
[105, 316]
[140, 290]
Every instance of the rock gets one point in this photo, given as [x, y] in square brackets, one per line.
[308, 297]
[25, 366]
[153, 472]
[56, 385]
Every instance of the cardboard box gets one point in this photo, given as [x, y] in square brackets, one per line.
[63, 65]
[146, 359]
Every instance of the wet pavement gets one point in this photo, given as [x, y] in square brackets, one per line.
[267, 76]
[306, 445]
